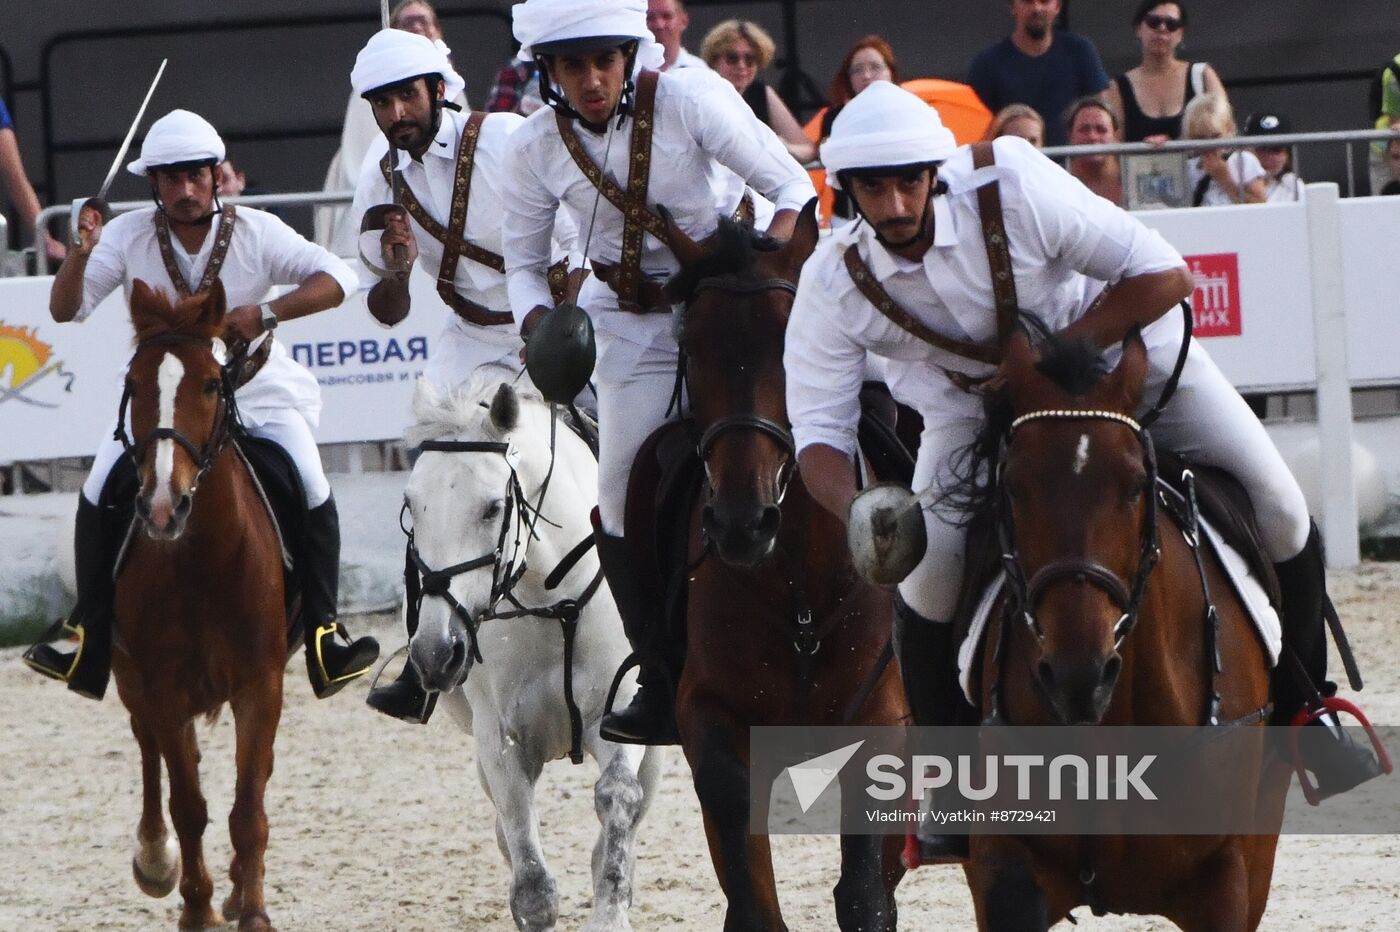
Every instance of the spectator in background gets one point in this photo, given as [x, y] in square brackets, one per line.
[1038, 65]
[871, 59]
[1281, 183]
[335, 229]
[1018, 120]
[1385, 106]
[1392, 161]
[738, 50]
[1091, 122]
[20, 192]
[667, 20]
[1215, 178]
[229, 179]
[516, 88]
[1153, 96]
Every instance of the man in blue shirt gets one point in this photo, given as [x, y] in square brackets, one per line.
[1039, 66]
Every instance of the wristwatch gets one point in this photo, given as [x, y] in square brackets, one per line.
[269, 317]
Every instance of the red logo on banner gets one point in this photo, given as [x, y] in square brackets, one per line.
[1216, 300]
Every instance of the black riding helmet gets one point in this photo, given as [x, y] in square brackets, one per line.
[561, 352]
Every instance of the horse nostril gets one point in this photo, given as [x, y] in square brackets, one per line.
[1046, 674]
[459, 655]
[182, 507]
[707, 517]
[1109, 675]
[143, 506]
[769, 521]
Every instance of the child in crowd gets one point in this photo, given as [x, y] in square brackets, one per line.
[1281, 182]
[1216, 178]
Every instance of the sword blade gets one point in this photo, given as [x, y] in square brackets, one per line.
[130, 133]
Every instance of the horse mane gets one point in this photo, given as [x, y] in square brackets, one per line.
[729, 251]
[153, 314]
[440, 414]
[1075, 366]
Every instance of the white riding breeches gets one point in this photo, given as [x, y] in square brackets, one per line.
[458, 353]
[285, 427]
[634, 385]
[1206, 421]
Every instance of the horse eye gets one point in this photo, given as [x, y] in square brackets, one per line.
[493, 511]
[211, 387]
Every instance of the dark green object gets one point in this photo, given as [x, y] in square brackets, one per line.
[561, 352]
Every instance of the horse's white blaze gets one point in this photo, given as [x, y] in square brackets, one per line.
[1081, 454]
[168, 379]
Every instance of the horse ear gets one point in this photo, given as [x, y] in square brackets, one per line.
[804, 237]
[213, 307]
[1128, 376]
[686, 250]
[505, 408]
[143, 301]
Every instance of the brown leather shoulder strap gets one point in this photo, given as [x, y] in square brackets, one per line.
[629, 267]
[223, 236]
[998, 248]
[875, 293]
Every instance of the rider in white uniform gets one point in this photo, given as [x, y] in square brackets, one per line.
[591, 56]
[179, 236]
[408, 84]
[921, 238]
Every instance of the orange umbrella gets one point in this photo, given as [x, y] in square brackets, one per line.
[958, 106]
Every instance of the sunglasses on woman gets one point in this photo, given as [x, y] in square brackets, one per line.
[1157, 21]
[740, 58]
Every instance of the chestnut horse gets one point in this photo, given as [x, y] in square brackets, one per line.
[199, 608]
[780, 629]
[1107, 623]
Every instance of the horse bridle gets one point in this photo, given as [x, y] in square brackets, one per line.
[1025, 594]
[780, 433]
[225, 415]
[422, 580]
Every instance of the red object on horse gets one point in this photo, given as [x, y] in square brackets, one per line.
[1334, 705]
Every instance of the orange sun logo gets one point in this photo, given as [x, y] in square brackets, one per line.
[24, 360]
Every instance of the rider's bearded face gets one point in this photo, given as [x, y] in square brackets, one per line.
[895, 205]
[186, 192]
[591, 82]
[404, 113]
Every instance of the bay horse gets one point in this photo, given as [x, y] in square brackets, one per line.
[199, 611]
[517, 632]
[779, 627]
[1107, 623]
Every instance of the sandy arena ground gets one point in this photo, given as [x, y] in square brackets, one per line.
[379, 825]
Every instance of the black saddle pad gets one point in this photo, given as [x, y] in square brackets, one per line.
[281, 484]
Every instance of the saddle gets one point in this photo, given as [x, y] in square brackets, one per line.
[1220, 497]
[667, 478]
[278, 485]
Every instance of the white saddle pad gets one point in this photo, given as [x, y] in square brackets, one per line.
[1245, 585]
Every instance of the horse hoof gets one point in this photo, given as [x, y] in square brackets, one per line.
[233, 906]
[157, 879]
[209, 920]
[257, 923]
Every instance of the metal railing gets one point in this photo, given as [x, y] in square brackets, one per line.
[294, 199]
[1291, 140]
[53, 148]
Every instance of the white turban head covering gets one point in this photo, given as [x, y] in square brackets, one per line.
[179, 136]
[542, 22]
[393, 55]
[884, 126]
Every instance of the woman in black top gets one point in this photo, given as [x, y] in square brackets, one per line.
[739, 50]
[1153, 96]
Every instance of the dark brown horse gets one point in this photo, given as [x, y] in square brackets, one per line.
[780, 630]
[1105, 632]
[199, 606]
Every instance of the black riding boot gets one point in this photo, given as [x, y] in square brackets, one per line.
[1337, 762]
[405, 698]
[928, 665]
[328, 664]
[651, 718]
[87, 669]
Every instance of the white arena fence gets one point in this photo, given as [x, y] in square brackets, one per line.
[1290, 297]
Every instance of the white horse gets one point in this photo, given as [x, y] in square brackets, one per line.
[473, 503]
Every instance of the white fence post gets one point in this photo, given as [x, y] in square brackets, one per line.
[1337, 482]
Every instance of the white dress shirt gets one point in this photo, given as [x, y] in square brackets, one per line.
[1063, 241]
[700, 120]
[687, 59]
[264, 252]
[1244, 168]
[431, 181]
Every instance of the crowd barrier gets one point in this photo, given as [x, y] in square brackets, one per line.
[1264, 292]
